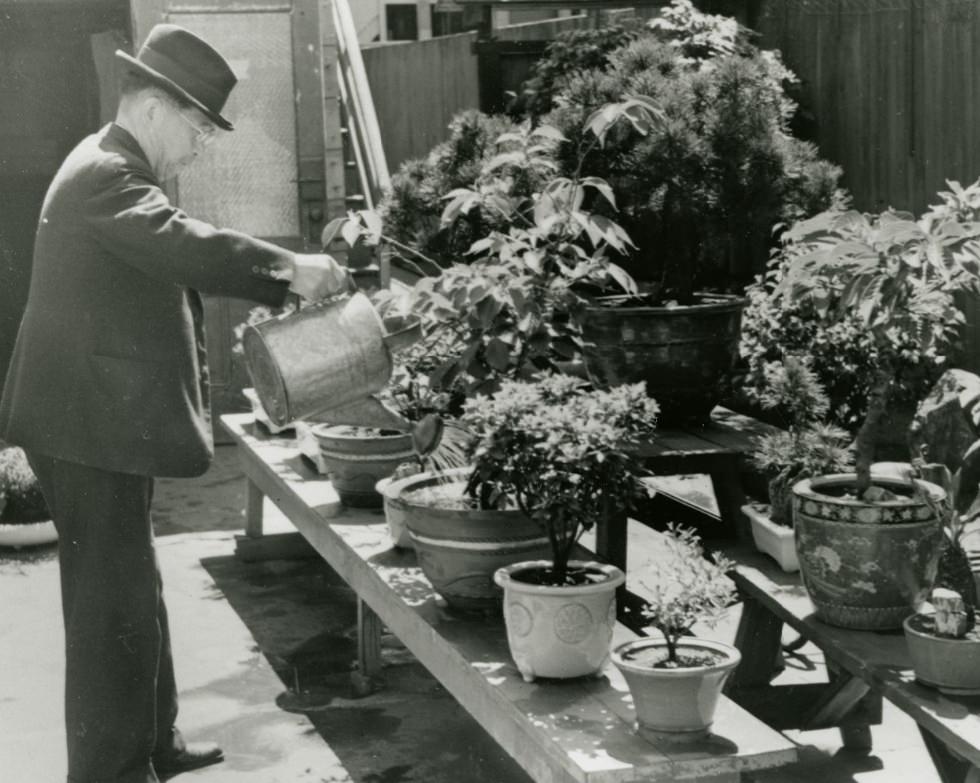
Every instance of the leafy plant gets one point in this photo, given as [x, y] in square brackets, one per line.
[560, 452]
[514, 310]
[893, 273]
[684, 587]
[808, 447]
[21, 501]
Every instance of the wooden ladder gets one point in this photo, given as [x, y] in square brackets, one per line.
[356, 167]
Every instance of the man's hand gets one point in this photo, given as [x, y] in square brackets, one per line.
[317, 276]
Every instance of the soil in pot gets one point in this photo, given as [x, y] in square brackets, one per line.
[658, 658]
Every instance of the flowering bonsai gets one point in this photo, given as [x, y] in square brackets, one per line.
[808, 446]
[559, 450]
[21, 501]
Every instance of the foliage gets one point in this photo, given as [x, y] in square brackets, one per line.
[514, 310]
[896, 275]
[560, 451]
[412, 209]
[701, 194]
[841, 353]
[21, 501]
[684, 587]
[808, 447]
[569, 53]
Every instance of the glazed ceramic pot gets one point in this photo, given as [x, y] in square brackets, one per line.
[460, 548]
[357, 459]
[950, 665]
[865, 565]
[677, 702]
[559, 631]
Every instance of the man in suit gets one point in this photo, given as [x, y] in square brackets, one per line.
[108, 388]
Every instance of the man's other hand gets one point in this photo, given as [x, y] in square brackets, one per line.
[317, 276]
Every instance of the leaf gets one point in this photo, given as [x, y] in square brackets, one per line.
[549, 132]
[331, 230]
[603, 187]
[622, 278]
[373, 224]
[351, 231]
[502, 159]
[498, 354]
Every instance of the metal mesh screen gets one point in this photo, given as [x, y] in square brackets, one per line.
[246, 180]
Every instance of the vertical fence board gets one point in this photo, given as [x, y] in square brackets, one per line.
[417, 88]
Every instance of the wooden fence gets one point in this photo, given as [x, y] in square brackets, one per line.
[418, 87]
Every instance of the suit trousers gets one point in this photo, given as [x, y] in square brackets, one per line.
[120, 694]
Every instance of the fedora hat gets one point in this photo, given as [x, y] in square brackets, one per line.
[187, 67]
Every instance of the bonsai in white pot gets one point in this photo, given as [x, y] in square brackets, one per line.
[559, 451]
[24, 516]
[676, 678]
[807, 447]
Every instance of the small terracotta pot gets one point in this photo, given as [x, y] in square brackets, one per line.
[679, 703]
[559, 631]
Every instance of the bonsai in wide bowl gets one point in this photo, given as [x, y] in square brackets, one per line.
[675, 678]
[558, 450]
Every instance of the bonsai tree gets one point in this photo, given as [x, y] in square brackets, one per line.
[897, 276]
[684, 587]
[808, 446]
[559, 450]
[21, 501]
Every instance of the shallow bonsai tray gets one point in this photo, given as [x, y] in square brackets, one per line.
[777, 541]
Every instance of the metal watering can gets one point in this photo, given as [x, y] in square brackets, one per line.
[329, 360]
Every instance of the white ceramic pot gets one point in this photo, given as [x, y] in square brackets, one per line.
[389, 489]
[29, 534]
[676, 703]
[559, 632]
[777, 541]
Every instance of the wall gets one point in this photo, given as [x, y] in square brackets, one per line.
[417, 87]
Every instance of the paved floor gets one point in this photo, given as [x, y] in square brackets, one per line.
[263, 652]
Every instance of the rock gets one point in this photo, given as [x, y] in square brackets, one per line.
[951, 613]
[945, 424]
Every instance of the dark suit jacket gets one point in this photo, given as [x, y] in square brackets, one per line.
[109, 369]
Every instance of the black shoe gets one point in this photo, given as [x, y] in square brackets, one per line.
[194, 755]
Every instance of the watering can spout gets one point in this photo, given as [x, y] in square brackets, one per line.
[367, 412]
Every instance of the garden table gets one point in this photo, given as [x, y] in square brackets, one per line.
[571, 731]
[866, 666]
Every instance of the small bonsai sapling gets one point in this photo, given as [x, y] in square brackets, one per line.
[808, 446]
[684, 587]
[561, 451]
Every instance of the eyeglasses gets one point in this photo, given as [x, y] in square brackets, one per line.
[204, 135]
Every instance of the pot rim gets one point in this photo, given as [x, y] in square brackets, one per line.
[614, 578]
[944, 640]
[804, 488]
[732, 656]
[716, 303]
[323, 431]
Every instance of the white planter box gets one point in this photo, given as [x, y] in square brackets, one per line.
[774, 540]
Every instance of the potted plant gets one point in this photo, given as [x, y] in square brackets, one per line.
[24, 516]
[676, 678]
[807, 447]
[558, 452]
[868, 545]
[700, 192]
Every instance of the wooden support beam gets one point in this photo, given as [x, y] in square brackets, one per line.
[787, 706]
[838, 700]
[758, 638]
[367, 678]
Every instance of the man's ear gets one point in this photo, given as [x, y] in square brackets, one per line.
[152, 109]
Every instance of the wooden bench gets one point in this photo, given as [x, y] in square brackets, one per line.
[571, 731]
[865, 667]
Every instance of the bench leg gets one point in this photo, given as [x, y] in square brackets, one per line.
[758, 638]
[951, 768]
[253, 510]
[367, 677]
[727, 486]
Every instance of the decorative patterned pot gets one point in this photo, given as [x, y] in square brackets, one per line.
[459, 549]
[679, 703]
[357, 462]
[866, 564]
[559, 631]
[683, 354]
[951, 665]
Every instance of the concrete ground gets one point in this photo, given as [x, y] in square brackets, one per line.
[263, 654]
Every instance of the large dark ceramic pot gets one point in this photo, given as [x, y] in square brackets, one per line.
[684, 354]
[865, 565]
